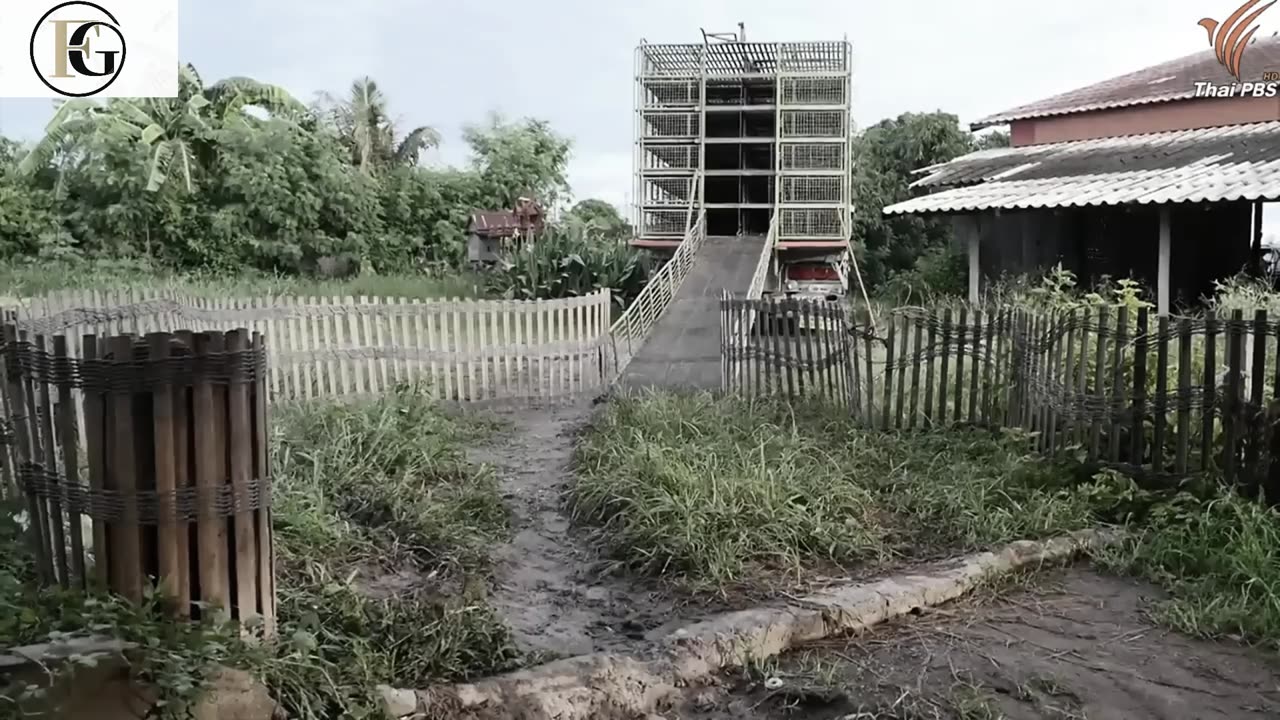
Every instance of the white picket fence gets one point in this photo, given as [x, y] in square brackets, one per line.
[464, 349]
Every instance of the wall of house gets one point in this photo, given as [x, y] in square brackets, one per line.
[1207, 242]
[1149, 118]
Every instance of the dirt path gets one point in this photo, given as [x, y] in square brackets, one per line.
[548, 582]
[1078, 647]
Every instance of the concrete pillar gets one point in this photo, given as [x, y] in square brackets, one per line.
[967, 228]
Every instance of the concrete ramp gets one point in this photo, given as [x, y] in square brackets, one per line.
[683, 350]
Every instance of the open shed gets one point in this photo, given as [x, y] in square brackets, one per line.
[1135, 176]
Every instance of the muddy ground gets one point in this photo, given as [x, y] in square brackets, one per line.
[1075, 645]
[551, 586]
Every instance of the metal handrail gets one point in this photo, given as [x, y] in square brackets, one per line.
[634, 325]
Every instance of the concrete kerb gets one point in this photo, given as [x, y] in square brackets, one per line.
[604, 686]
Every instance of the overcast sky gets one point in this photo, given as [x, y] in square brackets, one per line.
[571, 61]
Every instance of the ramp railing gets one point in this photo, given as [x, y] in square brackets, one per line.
[630, 330]
[743, 324]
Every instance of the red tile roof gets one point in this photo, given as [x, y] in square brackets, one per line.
[1168, 81]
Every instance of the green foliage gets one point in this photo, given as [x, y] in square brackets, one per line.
[571, 260]
[885, 156]
[939, 274]
[602, 217]
[200, 183]
[514, 160]
[170, 657]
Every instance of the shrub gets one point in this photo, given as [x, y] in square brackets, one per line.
[571, 260]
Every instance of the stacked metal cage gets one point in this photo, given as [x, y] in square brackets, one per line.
[802, 121]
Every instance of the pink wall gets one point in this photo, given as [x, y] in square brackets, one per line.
[1140, 119]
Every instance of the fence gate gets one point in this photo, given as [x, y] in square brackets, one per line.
[795, 348]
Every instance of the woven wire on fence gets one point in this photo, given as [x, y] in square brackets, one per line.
[139, 373]
[146, 507]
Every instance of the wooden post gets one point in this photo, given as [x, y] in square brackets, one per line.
[1162, 267]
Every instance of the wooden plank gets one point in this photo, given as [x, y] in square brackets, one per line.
[69, 437]
[240, 426]
[210, 453]
[962, 348]
[944, 375]
[887, 410]
[126, 546]
[1231, 406]
[1056, 379]
[95, 457]
[1255, 418]
[1137, 428]
[903, 349]
[1069, 374]
[26, 446]
[183, 473]
[168, 566]
[988, 359]
[55, 518]
[39, 518]
[1161, 400]
[1210, 404]
[928, 376]
[917, 360]
[1117, 379]
[1099, 372]
[1183, 442]
[262, 471]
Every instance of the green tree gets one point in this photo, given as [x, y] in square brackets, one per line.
[365, 127]
[991, 140]
[176, 131]
[885, 158]
[519, 159]
[601, 216]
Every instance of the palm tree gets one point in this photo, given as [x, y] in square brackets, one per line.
[365, 126]
[177, 131]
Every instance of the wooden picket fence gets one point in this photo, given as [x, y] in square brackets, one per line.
[795, 348]
[162, 475]
[465, 350]
[1118, 386]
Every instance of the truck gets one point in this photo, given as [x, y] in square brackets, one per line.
[813, 277]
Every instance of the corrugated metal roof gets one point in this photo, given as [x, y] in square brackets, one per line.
[1172, 80]
[1205, 165]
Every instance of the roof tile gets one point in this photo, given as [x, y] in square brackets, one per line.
[1204, 165]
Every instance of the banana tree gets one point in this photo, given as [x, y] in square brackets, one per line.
[177, 131]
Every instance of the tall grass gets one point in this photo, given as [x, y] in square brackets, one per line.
[715, 490]
[33, 281]
[383, 533]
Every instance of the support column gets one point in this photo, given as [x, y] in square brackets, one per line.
[968, 226]
[1162, 266]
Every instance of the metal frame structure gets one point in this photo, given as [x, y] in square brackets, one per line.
[792, 98]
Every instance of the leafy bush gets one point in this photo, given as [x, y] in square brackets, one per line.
[571, 260]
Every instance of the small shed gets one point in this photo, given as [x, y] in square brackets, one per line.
[1140, 175]
[494, 232]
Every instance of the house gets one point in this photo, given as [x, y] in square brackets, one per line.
[1159, 174]
[493, 232]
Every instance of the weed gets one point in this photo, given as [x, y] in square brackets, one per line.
[382, 531]
[1220, 560]
[710, 490]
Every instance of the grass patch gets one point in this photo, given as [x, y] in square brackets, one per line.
[36, 280]
[383, 530]
[1220, 561]
[714, 490]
